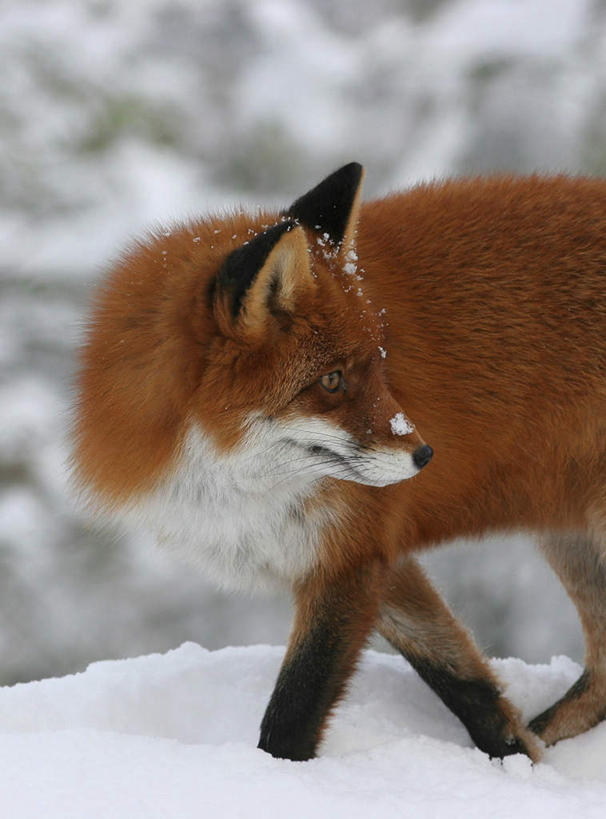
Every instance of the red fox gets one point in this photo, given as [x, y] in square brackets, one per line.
[251, 384]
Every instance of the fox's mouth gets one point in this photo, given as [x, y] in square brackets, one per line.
[332, 452]
[331, 457]
[336, 458]
[349, 471]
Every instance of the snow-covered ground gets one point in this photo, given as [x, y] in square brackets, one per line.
[174, 735]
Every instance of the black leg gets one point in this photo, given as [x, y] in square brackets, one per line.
[416, 621]
[332, 623]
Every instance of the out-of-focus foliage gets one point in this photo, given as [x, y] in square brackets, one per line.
[117, 114]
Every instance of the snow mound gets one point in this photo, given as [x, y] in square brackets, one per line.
[174, 735]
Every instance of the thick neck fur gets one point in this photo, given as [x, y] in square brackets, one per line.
[243, 529]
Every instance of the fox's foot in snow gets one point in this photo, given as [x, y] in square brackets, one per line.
[582, 707]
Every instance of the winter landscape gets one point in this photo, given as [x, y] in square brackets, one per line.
[175, 735]
[118, 116]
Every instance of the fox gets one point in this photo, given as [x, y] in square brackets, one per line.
[250, 387]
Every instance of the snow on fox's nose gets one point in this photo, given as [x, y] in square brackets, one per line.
[400, 425]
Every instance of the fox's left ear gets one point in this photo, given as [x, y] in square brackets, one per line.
[263, 280]
[332, 207]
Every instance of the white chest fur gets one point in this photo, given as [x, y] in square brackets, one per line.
[240, 517]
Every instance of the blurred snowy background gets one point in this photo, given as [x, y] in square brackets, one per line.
[118, 114]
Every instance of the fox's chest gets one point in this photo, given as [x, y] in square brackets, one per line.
[241, 537]
[242, 543]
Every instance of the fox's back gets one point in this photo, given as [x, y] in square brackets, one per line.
[495, 318]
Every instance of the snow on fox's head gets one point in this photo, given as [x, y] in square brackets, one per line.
[253, 331]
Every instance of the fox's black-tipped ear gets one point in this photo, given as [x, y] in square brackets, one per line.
[332, 206]
[262, 278]
[242, 265]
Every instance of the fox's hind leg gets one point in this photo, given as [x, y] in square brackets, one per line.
[582, 569]
[418, 623]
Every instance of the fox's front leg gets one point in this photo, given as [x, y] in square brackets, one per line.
[415, 620]
[332, 622]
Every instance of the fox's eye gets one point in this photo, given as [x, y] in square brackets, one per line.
[332, 381]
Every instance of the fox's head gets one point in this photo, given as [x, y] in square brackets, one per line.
[257, 334]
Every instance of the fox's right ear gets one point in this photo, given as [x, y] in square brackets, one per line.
[332, 208]
[262, 280]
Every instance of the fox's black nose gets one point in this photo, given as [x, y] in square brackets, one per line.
[422, 455]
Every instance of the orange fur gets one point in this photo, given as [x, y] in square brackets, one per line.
[478, 308]
[496, 336]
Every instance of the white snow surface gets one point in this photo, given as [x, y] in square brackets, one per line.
[174, 735]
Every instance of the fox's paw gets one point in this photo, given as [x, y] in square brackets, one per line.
[522, 742]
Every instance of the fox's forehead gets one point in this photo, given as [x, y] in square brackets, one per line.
[313, 343]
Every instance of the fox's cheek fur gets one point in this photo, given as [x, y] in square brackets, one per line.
[326, 449]
[249, 517]
[243, 515]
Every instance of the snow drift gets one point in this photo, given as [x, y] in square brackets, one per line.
[174, 735]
